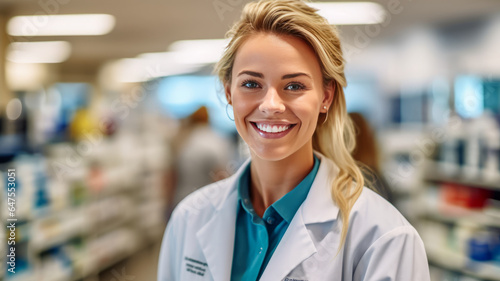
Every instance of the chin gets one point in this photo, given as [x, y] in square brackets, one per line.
[271, 153]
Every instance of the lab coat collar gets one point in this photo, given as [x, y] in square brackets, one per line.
[283, 261]
[318, 206]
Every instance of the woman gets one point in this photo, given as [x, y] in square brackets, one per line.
[297, 209]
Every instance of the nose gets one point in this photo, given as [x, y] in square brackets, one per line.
[272, 102]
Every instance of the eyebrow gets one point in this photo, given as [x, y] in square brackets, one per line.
[252, 73]
[293, 75]
[286, 76]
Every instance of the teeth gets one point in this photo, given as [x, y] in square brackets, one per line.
[272, 129]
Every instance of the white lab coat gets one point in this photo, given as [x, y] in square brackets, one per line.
[381, 244]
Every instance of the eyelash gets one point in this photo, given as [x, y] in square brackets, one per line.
[300, 85]
[249, 81]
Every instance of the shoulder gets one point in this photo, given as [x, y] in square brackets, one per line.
[383, 243]
[373, 217]
[374, 221]
[373, 209]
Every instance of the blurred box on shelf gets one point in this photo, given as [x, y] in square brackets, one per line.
[464, 196]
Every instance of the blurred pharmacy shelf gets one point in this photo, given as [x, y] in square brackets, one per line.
[434, 172]
[453, 214]
[459, 204]
[449, 233]
[455, 262]
[446, 181]
[403, 177]
[75, 224]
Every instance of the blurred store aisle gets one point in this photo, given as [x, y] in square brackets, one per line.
[92, 127]
[140, 267]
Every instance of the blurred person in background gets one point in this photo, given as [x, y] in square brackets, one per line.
[298, 208]
[201, 155]
[366, 153]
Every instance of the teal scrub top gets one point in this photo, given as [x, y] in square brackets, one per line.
[256, 238]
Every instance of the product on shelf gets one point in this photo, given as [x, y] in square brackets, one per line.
[471, 150]
[464, 196]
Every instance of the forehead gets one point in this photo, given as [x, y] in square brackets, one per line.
[267, 52]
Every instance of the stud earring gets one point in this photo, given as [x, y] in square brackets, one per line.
[326, 114]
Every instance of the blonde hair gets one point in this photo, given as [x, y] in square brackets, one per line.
[334, 138]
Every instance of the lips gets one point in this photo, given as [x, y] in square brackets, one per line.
[272, 130]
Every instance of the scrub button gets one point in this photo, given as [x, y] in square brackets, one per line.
[270, 220]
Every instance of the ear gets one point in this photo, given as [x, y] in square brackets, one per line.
[328, 94]
[227, 91]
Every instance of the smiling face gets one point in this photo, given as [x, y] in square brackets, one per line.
[277, 94]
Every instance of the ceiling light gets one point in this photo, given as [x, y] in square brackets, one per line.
[149, 66]
[80, 24]
[347, 13]
[185, 56]
[26, 76]
[199, 51]
[38, 52]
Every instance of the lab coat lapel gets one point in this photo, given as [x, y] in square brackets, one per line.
[297, 244]
[216, 239]
[319, 206]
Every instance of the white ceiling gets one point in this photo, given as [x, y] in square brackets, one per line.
[151, 25]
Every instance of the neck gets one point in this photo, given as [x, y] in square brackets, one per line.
[271, 180]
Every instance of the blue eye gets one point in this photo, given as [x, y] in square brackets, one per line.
[295, 87]
[250, 84]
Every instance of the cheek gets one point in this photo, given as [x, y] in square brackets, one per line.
[241, 110]
[239, 107]
[242, 106]
[308, 111]
[309, 118]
